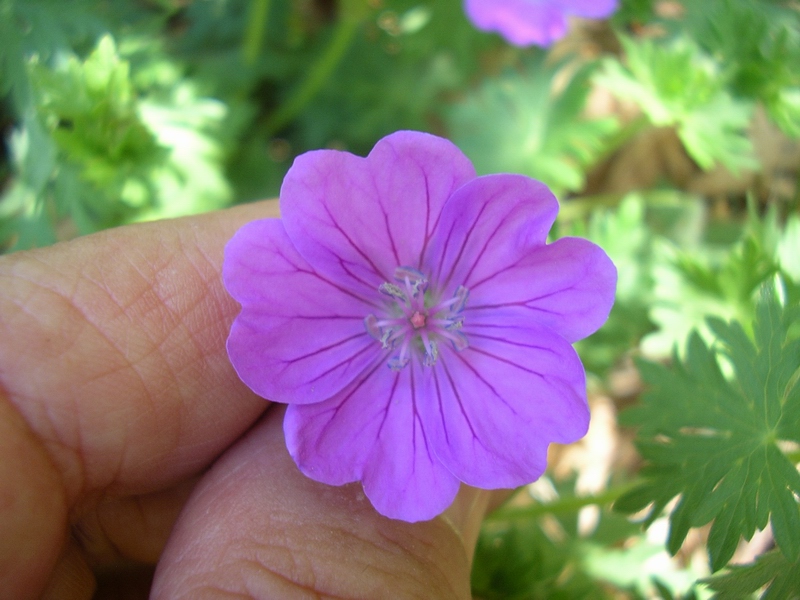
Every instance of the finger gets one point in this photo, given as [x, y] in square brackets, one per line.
[115, 546]
[32, 508]
[113, 376]
[71, 579]
[256, 527]
[130, 529]
[123, 372]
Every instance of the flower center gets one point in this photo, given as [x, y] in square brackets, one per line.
[415, 321]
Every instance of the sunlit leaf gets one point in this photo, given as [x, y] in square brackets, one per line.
[714, 441]
[761, 59]
[694, 281]
[39, 28]
[624, 234]
[522, 123]
[676, 84]
[772, 570]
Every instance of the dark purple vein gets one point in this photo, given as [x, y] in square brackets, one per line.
[482, 379]
[346, 360]
[325, 348]
[354, 246]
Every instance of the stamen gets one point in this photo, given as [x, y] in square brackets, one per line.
[395, 291]
[456, 304]
[397, 363]
[455, 324]
[373, 328]
[403, 273]
[432, 354]
[458, 339]
[397, 322]
[387, 339]
[461, 294]
[401, 360]
[413, 279]
[416, 322]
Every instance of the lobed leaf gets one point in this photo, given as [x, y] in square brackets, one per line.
[714, 440]
[677, 84]
[772, 569]
[521, 122]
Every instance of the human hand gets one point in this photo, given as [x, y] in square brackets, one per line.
[127, 440]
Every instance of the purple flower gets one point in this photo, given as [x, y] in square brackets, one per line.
[415, 322]
[540, 22]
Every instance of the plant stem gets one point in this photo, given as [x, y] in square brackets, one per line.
[256, 25]
[625, 134]
[319, 74]
[560, 506]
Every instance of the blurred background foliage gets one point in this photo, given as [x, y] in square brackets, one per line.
[670, 133]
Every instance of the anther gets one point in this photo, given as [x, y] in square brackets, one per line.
[395, 291]
[398, 362]
[415, 322]
[371, 323]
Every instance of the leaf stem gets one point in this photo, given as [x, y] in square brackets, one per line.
[317, 76]
[560, 506]
[254, 34]
[623, 135]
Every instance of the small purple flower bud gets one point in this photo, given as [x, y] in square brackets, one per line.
[529, 22]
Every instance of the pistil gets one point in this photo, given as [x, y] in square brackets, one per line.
[414, 320]
[418, 319]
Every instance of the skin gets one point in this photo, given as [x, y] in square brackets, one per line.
[133, 459]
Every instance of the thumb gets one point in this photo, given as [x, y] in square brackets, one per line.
[256, 527]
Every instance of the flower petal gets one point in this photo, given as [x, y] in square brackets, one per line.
[495, 406]
[489, 224]
[372, 431]
[589, 9]
[521, 22]
[357, 219]
[299, 337]
[567, 286]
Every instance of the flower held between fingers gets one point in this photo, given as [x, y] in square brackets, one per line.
[416, 322]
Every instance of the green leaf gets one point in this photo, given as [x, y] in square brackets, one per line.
[91, 111]
[519, 123]
[707, 280]
[26, 219]
[761, 59]
[772, 569]
[788, 248]
[41, 29]
[676, 84]
[626, 237]
[520, 562]
[98, 154]
[715, 133]
[715, 440]
[13, 76]
[785, 110]
[192, 180]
